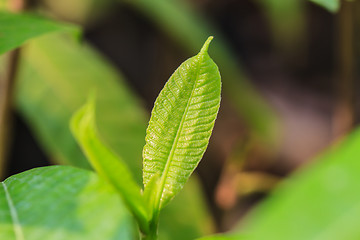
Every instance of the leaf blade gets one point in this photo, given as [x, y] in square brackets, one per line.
[183, 116]
[15, 29]
[107, 164]
[75, 201]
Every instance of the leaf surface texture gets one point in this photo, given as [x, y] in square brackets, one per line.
[181, 124]
[57, 203]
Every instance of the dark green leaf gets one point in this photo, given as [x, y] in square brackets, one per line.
[15, 29]
[57, 203]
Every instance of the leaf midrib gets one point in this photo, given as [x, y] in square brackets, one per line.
[19, 235]
[172, 151]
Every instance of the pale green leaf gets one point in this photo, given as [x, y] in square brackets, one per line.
[107, 164]
[15, 29]
[56, 76]
[57, 203]
[331, 5]
[181, 124]
[320, 202]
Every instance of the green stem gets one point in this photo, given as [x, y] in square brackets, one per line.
[345, 111]
[153, 233]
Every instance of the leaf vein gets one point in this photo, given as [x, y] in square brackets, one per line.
[19, 235]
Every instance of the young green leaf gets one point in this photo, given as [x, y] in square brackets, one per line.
[15, 29]
[57, 203]
[107, 164]
[181, 124]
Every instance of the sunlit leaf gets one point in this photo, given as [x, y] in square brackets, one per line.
[107, 164]
[57, 203]
[15, 29]
[180, 126]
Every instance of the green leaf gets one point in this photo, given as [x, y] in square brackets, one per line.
[57, 203]
[15, 29]
[107, 164]
[321, 202]
[180, 126]
[56, 76]
[331, 5]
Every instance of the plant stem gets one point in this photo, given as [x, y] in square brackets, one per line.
[7, 83]
[153, 234]
[345, 109]
[6, 95]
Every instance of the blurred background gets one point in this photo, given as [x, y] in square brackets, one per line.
[289, 73]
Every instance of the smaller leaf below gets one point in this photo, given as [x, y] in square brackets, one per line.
[107, 164]
[57, 203]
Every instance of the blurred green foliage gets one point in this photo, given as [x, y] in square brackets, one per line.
[320, 201]
[15, 30]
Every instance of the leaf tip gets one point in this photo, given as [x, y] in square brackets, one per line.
[205, 47]
[84, 115]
